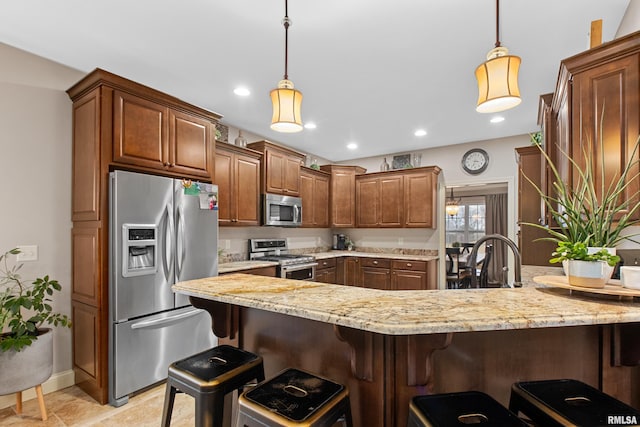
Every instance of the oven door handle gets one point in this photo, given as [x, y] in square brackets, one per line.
[294, 267]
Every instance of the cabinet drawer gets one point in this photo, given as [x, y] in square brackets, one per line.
[410, 265]
[326, 263]
[375, 262]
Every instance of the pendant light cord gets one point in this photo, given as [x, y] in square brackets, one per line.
[497, 23]
[286, 22]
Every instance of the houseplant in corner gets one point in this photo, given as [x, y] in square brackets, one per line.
[26, 349]
[591, 214]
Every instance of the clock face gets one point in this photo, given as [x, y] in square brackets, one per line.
[475, 161]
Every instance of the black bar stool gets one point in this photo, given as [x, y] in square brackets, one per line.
[295, 398]
[208, 376]
[568, 402]
[461, 408]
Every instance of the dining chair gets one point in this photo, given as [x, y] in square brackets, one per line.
[453, 270]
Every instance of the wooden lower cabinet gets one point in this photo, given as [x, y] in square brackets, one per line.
[385, 273]
[375, 273]
[89, 351]
[326, 271]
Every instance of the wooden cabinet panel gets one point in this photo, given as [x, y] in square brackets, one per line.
[352, 272]
[420, 197]
[280, 169]
[86, 158]
[85, 240]
[407, 280]
[237, 174]
[342, 194]
[140, 131]
[191, 144]
[89, 362]
[409, 265]
[314, 191]
[376, 278]
[367, 199]
[390, 206]
[605, 104]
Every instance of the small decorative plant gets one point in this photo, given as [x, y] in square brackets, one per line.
[580, 252]
[24, 308]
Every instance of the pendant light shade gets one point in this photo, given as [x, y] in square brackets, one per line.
[498, 77]
[286, 101]
[451, 205]
[286, 108]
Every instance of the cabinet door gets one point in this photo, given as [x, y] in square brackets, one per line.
[140, 131]
[419, 199]
[352, 272]
[275, 172]
[308, 203]
[376, 278]
[191, 142]
[321, 201]
[367, 199]
[605, 104]
[223, 177]
[291, 176]
[326, 275]
[343, 200]
[390, 201]
[405, 280]
[247, 190]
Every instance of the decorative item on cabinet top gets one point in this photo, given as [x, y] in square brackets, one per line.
[222, 132]
[402, 161]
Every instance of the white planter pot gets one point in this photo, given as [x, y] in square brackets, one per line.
[28, 368]
[588, 274]
[592, 250]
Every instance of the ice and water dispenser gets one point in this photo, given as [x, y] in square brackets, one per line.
[140, 244]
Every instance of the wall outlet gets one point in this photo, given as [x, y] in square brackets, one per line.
[28, 253]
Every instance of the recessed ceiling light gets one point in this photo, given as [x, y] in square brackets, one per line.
[242, 91]
[352, 146]
[497, 119]
[420, 132]
[309, 125]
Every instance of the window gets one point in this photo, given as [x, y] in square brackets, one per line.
[469, 224]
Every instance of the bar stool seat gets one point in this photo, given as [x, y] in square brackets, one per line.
[208, 376]
[461, 408]
[295, 398]
[569, 402]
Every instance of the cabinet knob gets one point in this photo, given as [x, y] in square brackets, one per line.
[375, 262]
[324, 263]
[408, 264]
[172, 164]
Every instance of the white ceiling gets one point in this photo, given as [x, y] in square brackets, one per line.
[371, 72]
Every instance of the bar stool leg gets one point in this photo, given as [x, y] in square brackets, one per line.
[169, 398]
[205, 417]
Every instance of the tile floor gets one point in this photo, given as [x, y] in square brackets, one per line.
[73, 407]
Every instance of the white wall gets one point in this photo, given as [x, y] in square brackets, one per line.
[631, 19]
[35, 169]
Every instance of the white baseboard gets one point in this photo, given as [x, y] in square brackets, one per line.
[57, 381]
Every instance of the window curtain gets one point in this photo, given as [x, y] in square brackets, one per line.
[496, 223]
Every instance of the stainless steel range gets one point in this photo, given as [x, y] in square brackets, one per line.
[290, 266]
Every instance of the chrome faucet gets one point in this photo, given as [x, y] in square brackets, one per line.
[516, 255]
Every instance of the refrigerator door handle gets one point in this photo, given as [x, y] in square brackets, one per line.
[167, 320]
[168, 245]
[180, 243]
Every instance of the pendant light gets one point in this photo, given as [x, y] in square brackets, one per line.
[498, 77]
[451, 206]
[285, 99]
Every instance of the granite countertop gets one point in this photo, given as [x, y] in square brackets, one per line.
[336, 254]
[414, 312]
[232, 267]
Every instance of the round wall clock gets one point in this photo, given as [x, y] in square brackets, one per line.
[475, 161]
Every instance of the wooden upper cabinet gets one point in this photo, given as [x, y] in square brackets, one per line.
[379, 200]
[237, 174]
[596, 100]
[280, 168]
[342, 194]
[420, 186]
[151, 135]
[85, 191]
[314, 191]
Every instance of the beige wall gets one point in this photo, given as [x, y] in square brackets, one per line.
[35, 171]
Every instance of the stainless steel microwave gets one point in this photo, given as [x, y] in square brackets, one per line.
[282, 211]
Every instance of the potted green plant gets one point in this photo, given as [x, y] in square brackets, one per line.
[586, 267]
[26, 348]
[591, 213]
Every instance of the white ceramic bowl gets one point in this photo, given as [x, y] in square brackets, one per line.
[630, 276]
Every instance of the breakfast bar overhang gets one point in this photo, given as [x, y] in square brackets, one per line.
[388, 346]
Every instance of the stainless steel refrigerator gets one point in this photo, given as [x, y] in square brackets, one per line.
[162, 230]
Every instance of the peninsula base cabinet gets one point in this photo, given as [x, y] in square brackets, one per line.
[119, 124]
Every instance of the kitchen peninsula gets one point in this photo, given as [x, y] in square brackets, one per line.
[388, 346]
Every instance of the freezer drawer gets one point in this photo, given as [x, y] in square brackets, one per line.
[144, 348]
